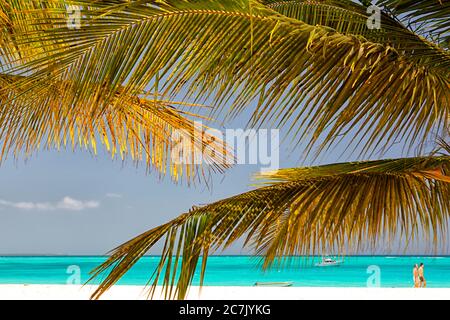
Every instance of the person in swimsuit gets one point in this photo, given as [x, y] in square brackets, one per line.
[423, 282]
[416, 276]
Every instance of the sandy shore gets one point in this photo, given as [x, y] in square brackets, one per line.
[68, 292]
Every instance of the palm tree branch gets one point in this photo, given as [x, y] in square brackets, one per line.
[15, 21]
[144, 128]
[313, 77]
[291, 214]
[348, 17]
[434, 12]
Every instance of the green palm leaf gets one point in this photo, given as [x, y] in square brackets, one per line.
[319, 82]
[445, 145]
[348, 17]
[299, 211]
[432, 12]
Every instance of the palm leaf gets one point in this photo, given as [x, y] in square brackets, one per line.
[15, 18]
[337, 207]
[319, 82]
[435, 13]
[144, 128]
[445, 145]
[4, 20]
[350, 18]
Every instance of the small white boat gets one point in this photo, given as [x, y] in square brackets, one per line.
[274, 284]
[329, 262]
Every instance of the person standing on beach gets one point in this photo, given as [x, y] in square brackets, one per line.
[416, 276]
[423, 282]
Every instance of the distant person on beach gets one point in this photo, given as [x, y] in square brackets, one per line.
[423, 282]
[416, 276]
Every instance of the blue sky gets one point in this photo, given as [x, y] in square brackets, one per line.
[75, 203]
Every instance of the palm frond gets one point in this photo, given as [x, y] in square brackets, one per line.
[4, 20]
[434, 13]
[319, 82]
[337, 207]
[445, 145]
[146, 128]
[348, 17]
[5, 25]
[16, 20]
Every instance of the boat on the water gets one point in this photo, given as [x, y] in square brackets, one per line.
[329, 262]
[274, 284]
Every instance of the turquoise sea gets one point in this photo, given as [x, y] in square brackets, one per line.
[239, 271]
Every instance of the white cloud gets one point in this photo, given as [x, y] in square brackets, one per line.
[114, 195]
[67, 203]
[71, 204]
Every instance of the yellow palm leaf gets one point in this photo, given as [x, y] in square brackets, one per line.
[318, 81]
[143, 128]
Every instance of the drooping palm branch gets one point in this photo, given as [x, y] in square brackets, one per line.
[15, 22]
[322, 76]
[433, 14]
[445, 145]
[298, 211]
[46, 112]
[348, 17]
[146, 128]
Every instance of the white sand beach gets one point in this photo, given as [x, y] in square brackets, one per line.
[73, 292]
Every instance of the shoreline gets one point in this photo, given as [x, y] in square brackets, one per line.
[124, 292]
